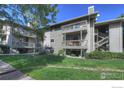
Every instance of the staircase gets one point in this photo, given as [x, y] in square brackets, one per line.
[104, 40]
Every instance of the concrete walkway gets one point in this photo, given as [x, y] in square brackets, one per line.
[7, 72]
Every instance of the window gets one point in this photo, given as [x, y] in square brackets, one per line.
[52, 40]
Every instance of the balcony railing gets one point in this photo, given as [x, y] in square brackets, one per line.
[84, 28]
[75, 44]
[27, 34]
[75, 26]
[24, 45]
[24, 33]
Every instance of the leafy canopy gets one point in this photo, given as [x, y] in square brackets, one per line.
[38, 15]
[121, 16]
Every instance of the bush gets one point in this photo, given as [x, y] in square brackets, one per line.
[42, 52]
[1, 51]
[104, 55]
[61, 52]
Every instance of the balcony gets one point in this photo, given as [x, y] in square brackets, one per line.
[75, 27]
[27, 34]
[76, 30]
[24, 33]
[23, 45]
[75, 44]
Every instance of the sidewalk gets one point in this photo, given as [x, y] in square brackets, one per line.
[7, 72]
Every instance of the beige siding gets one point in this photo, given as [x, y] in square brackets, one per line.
[116, 37]
[58, 39]
[46, 42]
[90, 36]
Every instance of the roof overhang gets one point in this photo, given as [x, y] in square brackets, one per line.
[93, 15]
[109, 21]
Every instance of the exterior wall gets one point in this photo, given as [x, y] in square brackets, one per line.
[115, 37]
[58, 39]
[90, 37]
[47, 39]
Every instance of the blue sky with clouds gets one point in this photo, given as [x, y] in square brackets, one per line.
[109, 11]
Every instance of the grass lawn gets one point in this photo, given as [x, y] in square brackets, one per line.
[44, 67]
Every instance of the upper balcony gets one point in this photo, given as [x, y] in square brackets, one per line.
[27, 34]
[24, 33]
[79, 26]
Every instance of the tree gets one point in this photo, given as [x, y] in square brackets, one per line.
[121, 16]
[39, 16]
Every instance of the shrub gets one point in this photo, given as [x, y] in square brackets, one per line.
[1, 51]
[61, 52]
[42, 52]
[104, 55]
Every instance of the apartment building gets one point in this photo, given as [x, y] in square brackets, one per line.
[15, 38]
[83, 34]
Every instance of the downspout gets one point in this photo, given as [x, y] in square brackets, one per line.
[89, 35]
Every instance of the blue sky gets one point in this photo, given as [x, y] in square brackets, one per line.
[109, 11]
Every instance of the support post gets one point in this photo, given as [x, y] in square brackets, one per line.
[64, 52]
[97, 38]
[81, 34]
[81, 37]
[65, 40]
[81, 53]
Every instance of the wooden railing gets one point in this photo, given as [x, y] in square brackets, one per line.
[75, 43]
[25, 33]
[75, 26]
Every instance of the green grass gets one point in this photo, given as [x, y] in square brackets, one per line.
[37, 67]
[63, 74]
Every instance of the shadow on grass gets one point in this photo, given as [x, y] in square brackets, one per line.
[28, 63]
